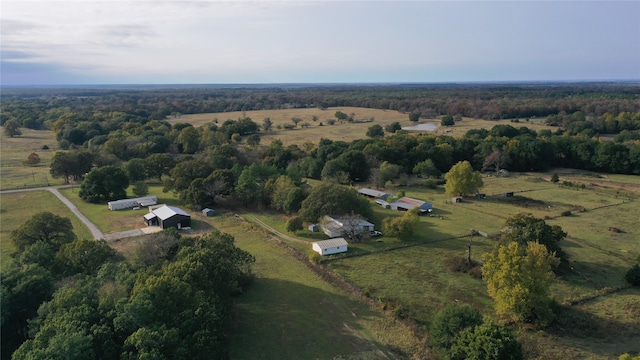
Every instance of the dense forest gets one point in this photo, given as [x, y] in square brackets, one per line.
[171, 299]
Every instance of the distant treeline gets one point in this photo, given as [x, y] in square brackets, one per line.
[39, 108]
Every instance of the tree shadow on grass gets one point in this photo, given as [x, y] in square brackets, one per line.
[593, 333]
[279, 319]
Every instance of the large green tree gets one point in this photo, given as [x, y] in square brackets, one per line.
[71, 164]
[402, 227]
[105, 183]
[158, 165]
[333, 199]
[12, 128]
[43, 227]
[518, 279]
[462, 179]
[523, 228]
[135, 170]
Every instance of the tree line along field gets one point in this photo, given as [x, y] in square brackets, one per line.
[308, 130]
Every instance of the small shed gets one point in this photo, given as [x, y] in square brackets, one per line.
[508, 194]
[313, 228]
[168, 216]
[331, 246]
[208, 212]
[456, 199]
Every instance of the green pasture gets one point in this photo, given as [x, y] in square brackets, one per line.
[416, 278]
[17, 208]
[13, 151]
[602, 328]
[290, 313]
[112, 221]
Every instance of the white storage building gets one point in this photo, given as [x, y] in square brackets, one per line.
[131, 203]
[331, 246]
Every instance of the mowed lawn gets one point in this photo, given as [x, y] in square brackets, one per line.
[13, 173]
[17, 208]
[290, 313]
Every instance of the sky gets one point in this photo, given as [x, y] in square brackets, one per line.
[254, 42]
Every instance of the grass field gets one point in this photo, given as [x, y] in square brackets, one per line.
[13, 174]
[339, 131]
[415, 281]
[290, 313]
[17, 208]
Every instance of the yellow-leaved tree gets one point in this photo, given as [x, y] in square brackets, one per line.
[462, 179]
[518, 279]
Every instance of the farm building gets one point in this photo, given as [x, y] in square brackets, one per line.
[406, 203]
[456, 199]
[331, 246]
[313, 228]
[208, 212]
[374, 194]
[508, 194]
[131, 203]
[383, 203]
[168, 216]
[334, 226]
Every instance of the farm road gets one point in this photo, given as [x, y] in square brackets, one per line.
[97, 234]
[274, 231]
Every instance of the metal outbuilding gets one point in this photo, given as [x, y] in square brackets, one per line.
[168, 216]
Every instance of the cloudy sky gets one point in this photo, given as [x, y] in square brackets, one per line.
[196, 42]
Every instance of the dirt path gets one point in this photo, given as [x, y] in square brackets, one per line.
[97, 234]
[274, 231]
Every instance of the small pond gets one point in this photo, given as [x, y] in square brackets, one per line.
[421, 127]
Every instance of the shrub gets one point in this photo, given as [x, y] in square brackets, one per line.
[450, 321]
[633, 275]
[430, 184]
[456, 264]
[487, 341]
[476, 272]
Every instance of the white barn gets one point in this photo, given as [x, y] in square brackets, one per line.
[331, 246]
[131, 203]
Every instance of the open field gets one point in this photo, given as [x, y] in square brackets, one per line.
[290, 313]
[13, 174]
[17, 208]
[340, 131]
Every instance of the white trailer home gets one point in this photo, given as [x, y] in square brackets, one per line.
[331, 246]
[131, 203]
